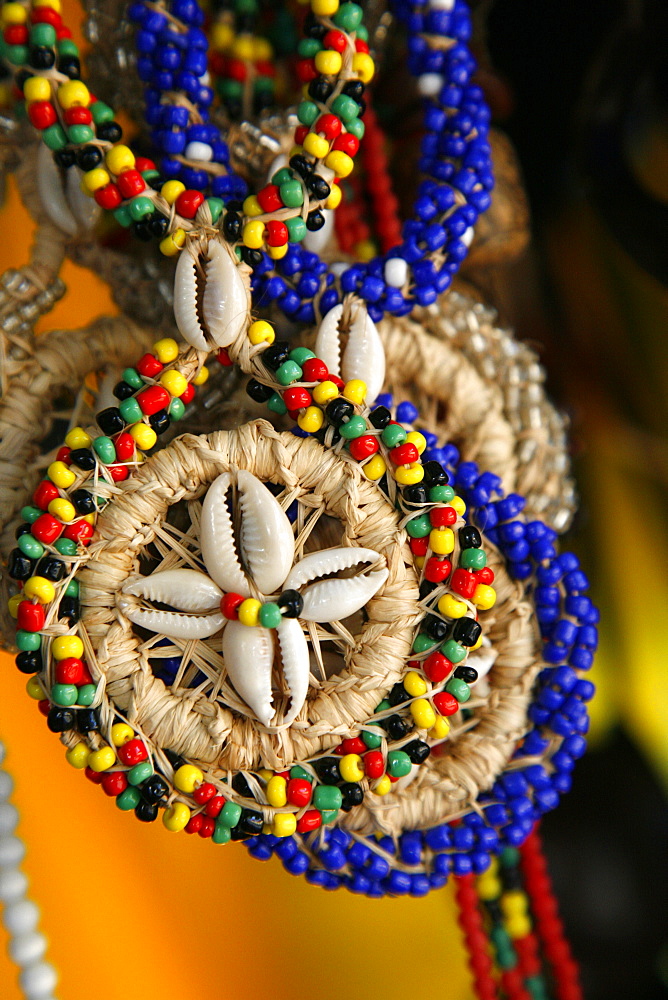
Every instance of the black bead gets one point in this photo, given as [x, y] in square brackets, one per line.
[291, 603]
[52, 568]
[65, 158]
[109, 131]
[232, 226]
[257, 391]
[154, 788]
[23, 529]
[87, 720]
[160, 421]
[339, 411]
[251, 257]
[314, 28]
[397, 727]
[70, 66]
[274, 356]
[235, 206]
[241, 786]
[69, 608]
[434, 474]
[236, 833]
[327, 769]
[19, 567]
[250, 822]
[174, 758]
[417, 751]
[110, 421]
[155, 183]
[158, 224]
[426, 588]
[59, 720]
[380, 417]
[512, 879]
[469, 537]
[142, 231]
[415, 494]
[88, 157]
[234, 107]
[20, 77]
[435, 627]
[145, 811]
[468, 674]
[29, 661]
[301, 165]
[315, 220]
[84, 458]
[318, 186]
[351, 795]
[123, 390]
[354, 89]
[496, 914]
[84, 502]
[467, 631]
[320, 89]
[41, 57]
[398, 695]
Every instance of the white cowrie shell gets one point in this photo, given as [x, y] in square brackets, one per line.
[186, 589]
[225, 298]
[296, 666]
[173, 624]
[248, 652]
[482, 660]
[364, 355]
[85, 209]
[267, 541]
[217, 539]
[328, 600]
[52, 195]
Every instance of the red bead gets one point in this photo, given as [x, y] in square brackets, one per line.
[299, 792]
[30, 617]
[311, 820]
[437, 570]
[236, 69]
[442, 517]
[335, 40]
[188, 202]
[16, 34]
[354, 745]
[329, 125]
[86, 679]
[44, 706]
[118, 472]
[125, 446]
[445, 703]
[194, 824]
[374, 764]
[114, 782]
[419, 546]
[153, 399]
[223, 358]
[270, 198]
[77, 116]
[44, 494]
[131, 183]
[207, 827]
[338, 382]
[188, 395]
[464, 583]
[485, 575]
[149, 366]
[306, 71]
[79, 531]
[108, 197]
[265, 68]
[42, 114]
[133, 752]
[45, 15]
[437, 667]
[361, 46]
[300, 134]
[64, 32]
[214, 806]
[205, 792]
[94, 776]
[70, 671]
[229, 606]
[277, 233]
[47, 529]
[363, 447]
[315, 370]
[297, 398]
[63, 455]
[347, 143]
[404, 454]
[143, 163]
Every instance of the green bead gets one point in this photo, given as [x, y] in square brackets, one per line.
[309, 47]
[357, 128]
[296, 229]
[419, 527]
[300, 772]
[30, 547]
[276, 405]
[282, 176]
[72, 589]
[326, 797]
[80, 133]
[230, 88]
[28, 641]
[348, 17]
[362, 33]
[128, 799]
[329, 815]
[459, 689]
[230, 814]
[536, 987]
[510, 857]
[472, 559]
[441, 494]
[398, 764]
[354, 428]
[307, 112]
[54, 137]
[64, 694]
[454, 651]
[43, 34]
[104, 449]
[139, 207]
[66, 47]
[130, 410]
[292, 193]
[30, 514]
[101, 112]
[176, 409]
[422, 642]
[371, 740]
[505, 953]
[122, 216]
[131, 375]
[17, 55]
[382, 706]
[345, 108]
[86, 695]
[66, 547]
[393, 435]
[216, 206]
[221, 834]
[301, 355]
[150, 175]
[247, 7]
[264, 85]
[289, 372]
[140, 772]
[270, 615]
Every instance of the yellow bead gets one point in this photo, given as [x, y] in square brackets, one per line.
[459, 505]
[35, 689]
[408, 475]
[121, 733]
[40, 588]
[423, 713]
[173, 243]
[89, 518]
[298, 150]
[252, 235]
[72, 94]
[242, 48]
[222, 36]
[335, 197]
[278, 253]
[144, 436]
[166, 350]
[63, 509]
[365, 250]
[284, 825]
[94, 179]
[187, 778]
[78, 756]
[340, 163]
[415, 684]
[120, 158]
[419, 440]
[77, 438]
[36, 88]
[419, 561]
[53, 4]
[477, 644]
[15, 13]
[440, 729]
[518, 927]
[324, 8]
[328, 62]
[382, 786]
[355, 391]
[265, 774]
[450, 607]
[60, 475]
[311, 420]
[351, 767]
[170, 191]
[324, 391]
[364, 66]
[489, 886]
[263, 50]
[202, 376]
[484, 597]
[261, 332]
[514, 903]
[174, 382]
[277, 791]
[13, 604]
[375, 468]
[175, 817]
[316, 145]
[102, 759]
[442, 541]
[249, 611]
[252, 206]
[64, 646]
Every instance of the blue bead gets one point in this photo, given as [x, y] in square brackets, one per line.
[576, 581]
[359, 884]
[259, 851]
[480, 861]
[488, 838]
[378, 867]
[554, 653]
[496, 814]
[286, 848]
[584, 689]
[461, 864]
[565, 631]
[546, 799]
[333, 858]
[438, 837]
[399, 883]
[297, 864]
[328, 300]
[407, 413]
[463, 838]
[581, 659]
[372, 289]
[358, 854]
[437, 881]
[419, 885]
[564, 678]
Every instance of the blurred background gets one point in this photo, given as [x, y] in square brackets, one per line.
[582, 91]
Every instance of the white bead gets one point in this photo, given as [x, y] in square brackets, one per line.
[38, 981]
[13, 885]
[467, 237]
[339, 267]
[430, 84]
[6, 783]
[442, 4]
[9, 817]
[396, 272]
[19, 918]
[24, 949]
[12, 851]
[201, 151]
